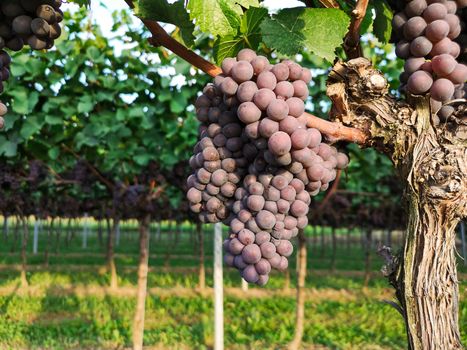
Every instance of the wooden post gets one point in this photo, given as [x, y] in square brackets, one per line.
[244, 286]
[218, 290]
[202, 271]
[138, 322]
[85, 231]
[301, 277]
[24, 243]
[5, 227]
[368, 243]
[35, 242]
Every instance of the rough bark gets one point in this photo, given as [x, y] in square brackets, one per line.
[202, 270]
[300, 304]
[463, 242]
[431, 159]
[138, 322]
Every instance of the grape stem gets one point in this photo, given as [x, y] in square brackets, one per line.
[334, 131]
[352, 45]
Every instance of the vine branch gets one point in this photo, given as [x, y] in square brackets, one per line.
[334, 131]
[91, 168]
[352, 41]
[329, 4]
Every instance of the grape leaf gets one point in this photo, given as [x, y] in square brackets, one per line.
[320, 31]
[249, 35]
[219, 17]
[173, 13]
[382, 25]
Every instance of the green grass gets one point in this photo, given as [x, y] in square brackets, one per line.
[266, 323]
[342, 316]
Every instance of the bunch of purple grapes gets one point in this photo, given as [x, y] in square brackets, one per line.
[257, 163]
[26, 22]
[428, 33]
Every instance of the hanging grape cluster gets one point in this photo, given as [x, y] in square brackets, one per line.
[429, 38]
[257, 163]
[26, 22]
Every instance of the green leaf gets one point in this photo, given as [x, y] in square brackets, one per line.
[227, 46]
[175, 13]
[24, 101]
[320, 31]
[30, 126]
[53, 119]
[8, 148]
[53, 153]
[382, 25]
[86, 104]
[248, 36]
[219, 17]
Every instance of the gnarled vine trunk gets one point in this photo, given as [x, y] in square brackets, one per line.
[431, 159]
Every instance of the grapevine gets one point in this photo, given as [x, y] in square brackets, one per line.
[429, 38]
[33, 23]
[257, 163]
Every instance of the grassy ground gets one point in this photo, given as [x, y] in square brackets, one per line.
[68, 305]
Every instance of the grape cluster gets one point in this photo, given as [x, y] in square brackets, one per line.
[257, 163]
[428, 33]
[26, 22]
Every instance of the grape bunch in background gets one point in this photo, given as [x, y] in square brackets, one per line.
[26, 22]
[257, 163]
[430, 37]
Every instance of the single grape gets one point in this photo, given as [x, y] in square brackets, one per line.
[279, 143]
[415, 8]
[246, 91]
[420, 46]
[281, 71]
[419, 82]
[459, 74]
[248, 112]
[246, 55]
[263, 97]
[266, 80]
[442, 90]
[413, 64]
[443, 64]
[227, 65]
[445, 112]
[277, 110]
[434, 12]
[414, 27]
[437, 30]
